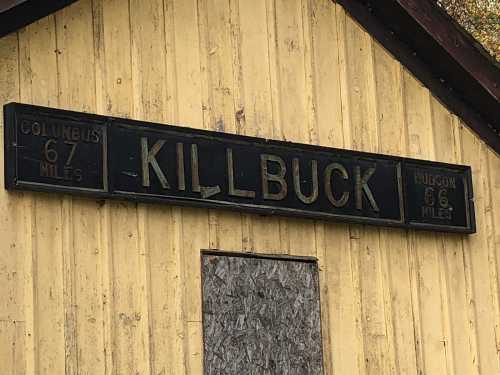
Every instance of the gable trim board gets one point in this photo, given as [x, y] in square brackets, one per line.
[441, 55]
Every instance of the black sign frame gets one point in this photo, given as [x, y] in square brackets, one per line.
[111, 134]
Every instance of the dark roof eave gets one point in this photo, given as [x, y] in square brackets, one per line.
[27, 12]
[441, 55]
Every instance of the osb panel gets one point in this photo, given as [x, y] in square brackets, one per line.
[261, 316]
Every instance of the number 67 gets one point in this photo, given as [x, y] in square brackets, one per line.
[51, 154]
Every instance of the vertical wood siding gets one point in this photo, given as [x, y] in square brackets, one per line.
[92, 287]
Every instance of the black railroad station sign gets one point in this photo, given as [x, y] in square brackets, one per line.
[105, 157]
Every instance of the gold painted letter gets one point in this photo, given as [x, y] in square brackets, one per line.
[180, 167]
[230, 173]
[205, 191]
[279, 177]
[362, 185]
[328, 184]
[148, 157]
[296, 181]
[195, 175]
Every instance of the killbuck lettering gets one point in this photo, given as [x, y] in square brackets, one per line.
[55, 150]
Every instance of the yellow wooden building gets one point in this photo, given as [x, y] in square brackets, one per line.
[114, 287]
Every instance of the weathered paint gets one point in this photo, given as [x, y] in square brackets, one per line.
[92, 288]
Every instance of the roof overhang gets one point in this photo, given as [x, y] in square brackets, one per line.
[15, 14]
[446, 59]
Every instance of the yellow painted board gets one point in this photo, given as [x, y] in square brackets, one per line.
[162, 240]
[320, 245]
[341, 24]
[48, 277]
[478, 255]
[424, 247]
[327, 130]
[360, 88]
[113, 96]
[293, 62]
[494, 187]
[13, 245]
[393, 242]
[457, 335]
[187, 63]
[398, 299]
[260, 233]
[81, 253]
[195, 238]
[149, 89]
[125, 282]
[344, 304]
[255, 67]
[326, 76]
[218, 48]
[129, 308]
[177, 315]
[220, 26]
[114, 55]
[158, 229]
[47, 322]
[12, 347]
[365, 241]
[344, 301]
[191, 95]
[417, 112]
[291, 98]
[28, 208]
[390, 105]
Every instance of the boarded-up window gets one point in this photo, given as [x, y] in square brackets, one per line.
[261, 315]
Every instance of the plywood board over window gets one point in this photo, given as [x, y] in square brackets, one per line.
[261, 315]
